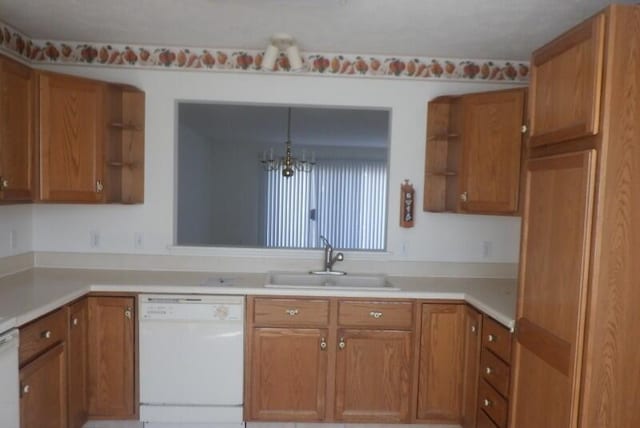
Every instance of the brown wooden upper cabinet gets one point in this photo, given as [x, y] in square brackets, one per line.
[91, 141]
[474, 151]
[71, 138]
[16, 131]
[566, 85]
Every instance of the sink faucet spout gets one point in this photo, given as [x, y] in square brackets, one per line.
[330, 259]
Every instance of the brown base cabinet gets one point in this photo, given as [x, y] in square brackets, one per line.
[362, 361]
[373, 375]
[281, 355]
[112, 386]
[473, 342]
[329, 360]
[77, 356]
[43, 390]
[441, 363]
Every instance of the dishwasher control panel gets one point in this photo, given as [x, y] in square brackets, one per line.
[191, 308]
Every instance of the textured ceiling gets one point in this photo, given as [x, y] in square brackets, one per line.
[483, 29]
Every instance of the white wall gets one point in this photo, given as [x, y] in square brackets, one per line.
[436, 237]
[16, 229]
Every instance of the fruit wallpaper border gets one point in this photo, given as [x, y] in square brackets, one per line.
[174, 58]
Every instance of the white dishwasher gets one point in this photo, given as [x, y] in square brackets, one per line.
[191, 361]
[9, 383]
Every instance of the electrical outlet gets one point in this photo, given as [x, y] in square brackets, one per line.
[13, 239]
[487, 249]
[404, 252]
[138, 240]
[94, 239]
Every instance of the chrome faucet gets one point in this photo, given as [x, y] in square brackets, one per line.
[329, 260]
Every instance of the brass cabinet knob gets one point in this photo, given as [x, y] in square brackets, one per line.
[4, 183]
[491, 338]
[486, 402]
[376, 315]
[342, 344]
[474, 329]
[488, 370]
[464, 196]
[323, 344]
[128, 313]
[74, 321]
[25, 389]
[292, 312]
[46, 334]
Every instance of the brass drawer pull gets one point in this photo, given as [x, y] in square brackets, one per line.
[487, 403]
[488, 370]
[376, 315]
[46, 334]
[292, 312]
[342, 344]
[492, 338]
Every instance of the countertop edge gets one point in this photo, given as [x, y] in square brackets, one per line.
[31, 315]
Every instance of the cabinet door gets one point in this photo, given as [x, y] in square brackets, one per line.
[552, 290]
[372, 376]
[441, 363]
[72, 132]
[288, 374]
[43, 396]
[77, 350]
[111, 380]
[566, 85]
[492, 149]
[472, 346]
[16, 131]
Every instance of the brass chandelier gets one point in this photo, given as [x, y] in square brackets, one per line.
[288, 163]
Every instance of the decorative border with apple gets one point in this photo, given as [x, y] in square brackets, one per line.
[102, 54]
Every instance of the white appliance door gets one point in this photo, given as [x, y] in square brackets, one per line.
[9, 381]
[191, 363]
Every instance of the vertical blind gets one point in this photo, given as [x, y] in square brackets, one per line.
[343, 200]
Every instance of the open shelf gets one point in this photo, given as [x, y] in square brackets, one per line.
[125, 148]
[443, 151]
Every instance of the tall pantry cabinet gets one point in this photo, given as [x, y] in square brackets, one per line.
[578, 323]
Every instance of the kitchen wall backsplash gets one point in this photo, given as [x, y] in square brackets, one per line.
[176, 58]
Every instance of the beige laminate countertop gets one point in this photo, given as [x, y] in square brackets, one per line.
[28, 295]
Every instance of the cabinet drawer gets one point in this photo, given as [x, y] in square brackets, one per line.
[492, 403]
[495, 372]
[484, 421]
[497, 338]
[295, 312]
[42, 334]
[375, 314]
